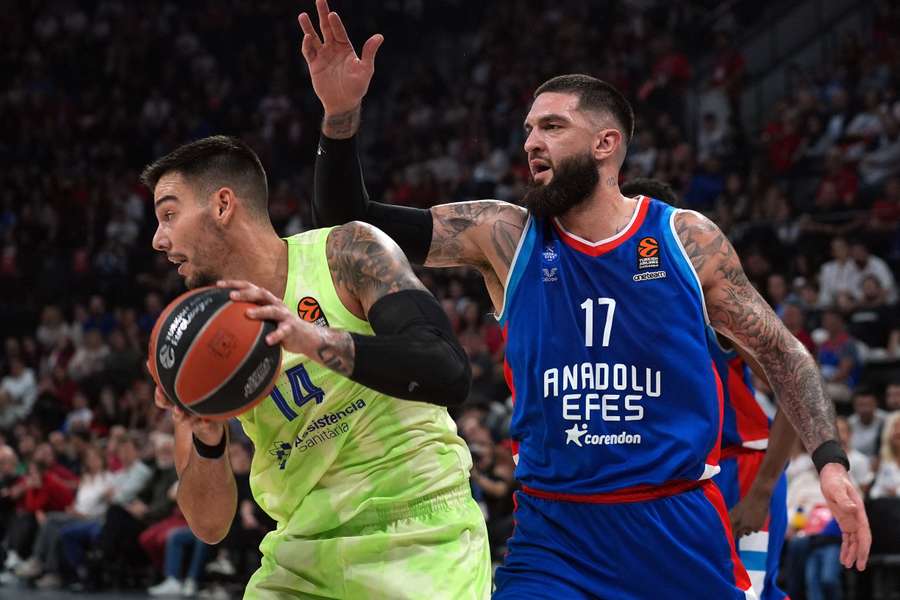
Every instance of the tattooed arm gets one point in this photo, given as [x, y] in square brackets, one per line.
[737, 311]
[414, 353]
[483, 234]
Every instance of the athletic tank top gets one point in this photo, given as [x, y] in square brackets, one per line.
[328, 448]
[608, 359]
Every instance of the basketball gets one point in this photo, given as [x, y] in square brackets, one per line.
[209, 358]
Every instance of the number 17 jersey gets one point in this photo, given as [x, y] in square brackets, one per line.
[607, 359]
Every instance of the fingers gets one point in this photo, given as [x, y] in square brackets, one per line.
[847, 542]
[161, 400]
[370, 48]
[270, 312]
[254, 294]
[233, 283]
[864, 537]
[323, 10]
[311, 43]
[281, 332]
[308, 49]
[306, 25]
[337, 29]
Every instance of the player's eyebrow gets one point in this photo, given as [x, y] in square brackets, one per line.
[164, 199]
[543, 119]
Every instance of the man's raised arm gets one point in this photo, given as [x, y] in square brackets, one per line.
[482, 233]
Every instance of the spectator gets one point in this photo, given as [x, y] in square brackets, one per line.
[727, 75]
[90, 358]
[777, 293]
[861, 471]
[883, 161]
[153, 306]
[866, 264]
[9, 475]
[99, 317]
[884, 216]
[153, 538]
[180, 541]
[865, 422]
[838, 115]
[838, 357]
[121, 544]
[63, 452]
[711, 138]
[90, 503]
[794, 320]
[53, 328]
[47, 487]
[841, 274]
[872, 320]
[122, 364]
[887, 480]
[18, 392]
[80, 416]
[77, 538]
[892, 397]
[493, 480]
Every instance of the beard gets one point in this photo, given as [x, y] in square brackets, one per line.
[208, 256]
[200, 279]
[573, 182]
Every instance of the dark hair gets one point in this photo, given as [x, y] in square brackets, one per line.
[215, 161]
[647, 186]
[865, 391]
[594, 95]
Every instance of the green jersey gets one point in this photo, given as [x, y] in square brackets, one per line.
[329, 449]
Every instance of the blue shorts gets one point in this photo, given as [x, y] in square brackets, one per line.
[675, 547]
[760, 551]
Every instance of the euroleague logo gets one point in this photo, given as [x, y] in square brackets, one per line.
[309, 310]
[166, 356]
[648, 254]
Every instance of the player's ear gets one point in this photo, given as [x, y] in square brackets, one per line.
[606, 143]
[224, 204]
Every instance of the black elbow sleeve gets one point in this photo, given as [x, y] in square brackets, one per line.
[414, 354]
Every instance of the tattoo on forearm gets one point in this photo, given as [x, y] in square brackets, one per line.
[452, 220]
[337, 352]
[342, 125]
[367, 263]
[737, 310]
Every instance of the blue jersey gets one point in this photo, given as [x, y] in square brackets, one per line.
[744, 422]
[608, 359]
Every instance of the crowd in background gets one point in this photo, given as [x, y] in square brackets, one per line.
[96, 89]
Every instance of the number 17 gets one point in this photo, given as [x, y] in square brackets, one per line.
[588, 306]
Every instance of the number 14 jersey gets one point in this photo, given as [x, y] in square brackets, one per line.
[329, 449]
[607, 359]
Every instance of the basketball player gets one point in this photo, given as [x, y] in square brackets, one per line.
[605, 301]
[370, 492]
[753, 458]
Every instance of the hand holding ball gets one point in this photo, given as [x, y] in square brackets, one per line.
[209, 357]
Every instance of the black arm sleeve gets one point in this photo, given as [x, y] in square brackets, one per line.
[414, 354]
[339, 196]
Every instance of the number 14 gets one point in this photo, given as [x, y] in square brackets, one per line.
[588, 306]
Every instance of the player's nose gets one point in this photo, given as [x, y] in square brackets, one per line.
[160, 241]
[532, 142]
